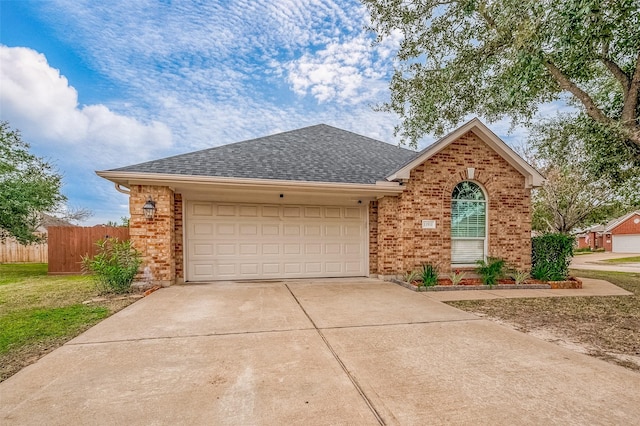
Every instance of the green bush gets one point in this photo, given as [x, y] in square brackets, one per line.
[550, 256]
[114, 267]
[429, 274]
[490, 270]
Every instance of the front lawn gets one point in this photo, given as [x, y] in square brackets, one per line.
[632, 259]
[605, 327]
[39, 313]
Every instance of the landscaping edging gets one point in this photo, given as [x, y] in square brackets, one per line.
[473, 287]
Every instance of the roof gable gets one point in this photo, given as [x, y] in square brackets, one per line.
[533, 177]
[318, 153]
[619, 221]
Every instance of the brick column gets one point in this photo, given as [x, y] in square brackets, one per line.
[155, 238]
[389, 241]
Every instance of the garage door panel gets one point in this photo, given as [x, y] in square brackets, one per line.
[271, 249]
[234, 241]
[291, 212]
[271, 230]
[291, 230]
[293, 248]
[313, 212]
[225, 229]
[203, 249]
[332, 230]
[313, 267]
[626, 243]
[202, 209]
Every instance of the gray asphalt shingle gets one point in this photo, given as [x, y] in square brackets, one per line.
[318, 153]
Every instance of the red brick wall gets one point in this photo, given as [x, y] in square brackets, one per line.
[389, 243]
[628, 227]
[428, 196]
[178, 226]
[154, 238]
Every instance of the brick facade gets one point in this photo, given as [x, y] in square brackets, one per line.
[402, 243]
[178, 243]
[628, 226]
[155, 239]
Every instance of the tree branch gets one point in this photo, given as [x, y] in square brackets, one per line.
[615, 69]
[592, 109]
[631, 99]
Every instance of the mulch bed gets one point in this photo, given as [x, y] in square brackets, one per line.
[445, 284]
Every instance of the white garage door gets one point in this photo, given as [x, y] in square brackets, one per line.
[256, 241]
[626, 243]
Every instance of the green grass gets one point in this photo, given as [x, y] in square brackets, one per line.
[39, 312]
[10, 272]
[30, 326]
[633, 259]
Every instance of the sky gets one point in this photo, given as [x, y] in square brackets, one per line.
[96, 85]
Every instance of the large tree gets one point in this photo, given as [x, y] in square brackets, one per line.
[29, 186]
[580, 189]
[504, 58]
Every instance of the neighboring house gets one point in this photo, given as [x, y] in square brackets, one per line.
[592, 237]
[324, 202]
[620, 235]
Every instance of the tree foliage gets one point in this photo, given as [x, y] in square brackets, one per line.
[588, 181]
[29, 186]
[504, 58]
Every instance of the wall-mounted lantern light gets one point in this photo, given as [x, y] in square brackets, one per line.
[149, 209]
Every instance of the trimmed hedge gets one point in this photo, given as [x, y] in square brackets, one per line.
[550, 256]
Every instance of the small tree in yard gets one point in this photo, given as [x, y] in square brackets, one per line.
[114, 267]
[29, 186]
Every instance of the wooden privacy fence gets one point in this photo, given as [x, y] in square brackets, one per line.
[67, 245]
[12, 251]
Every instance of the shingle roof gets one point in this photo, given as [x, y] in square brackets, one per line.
[318, 153]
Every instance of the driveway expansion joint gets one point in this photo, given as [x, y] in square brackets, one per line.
[353, 380]
[186, 336]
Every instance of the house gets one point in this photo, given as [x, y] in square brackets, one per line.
[324, 202]
[591, 238]
[622, 235]
[619, 235]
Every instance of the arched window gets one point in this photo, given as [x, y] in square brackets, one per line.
[468, 223]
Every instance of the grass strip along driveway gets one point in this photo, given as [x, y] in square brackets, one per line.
[605, 327]
[39, 313]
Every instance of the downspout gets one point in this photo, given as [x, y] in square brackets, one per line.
[119, 189]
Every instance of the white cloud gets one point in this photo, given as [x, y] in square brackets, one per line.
[38, 100]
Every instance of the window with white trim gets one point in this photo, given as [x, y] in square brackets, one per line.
[468, 223]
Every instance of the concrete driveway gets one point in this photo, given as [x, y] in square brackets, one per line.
[354, 351]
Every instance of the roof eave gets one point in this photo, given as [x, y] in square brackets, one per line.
[127, 179]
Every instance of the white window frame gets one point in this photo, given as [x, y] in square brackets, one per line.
[485, 239]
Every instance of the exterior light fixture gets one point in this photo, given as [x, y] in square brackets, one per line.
[149, 209]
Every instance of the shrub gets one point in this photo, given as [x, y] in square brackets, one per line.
[429, 274]
[410, 276]
[114, 267]
[519, 276]
[550, 256]
[456, 277]
[490, 270]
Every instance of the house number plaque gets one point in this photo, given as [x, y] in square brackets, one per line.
[428, 224]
